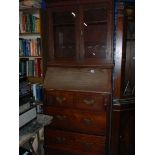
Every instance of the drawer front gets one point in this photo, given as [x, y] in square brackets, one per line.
[58, 151]
[74, 141]
[59, 98]
[86, 122]
[92, 101]
[77, 100]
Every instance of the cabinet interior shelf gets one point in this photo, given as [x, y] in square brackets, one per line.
[96, 22]
[64, 24]
[94, 42]
[85, 23]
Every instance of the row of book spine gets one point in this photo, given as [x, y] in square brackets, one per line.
[37, 90]
[29, 47]
[31, 67]
[29, 23]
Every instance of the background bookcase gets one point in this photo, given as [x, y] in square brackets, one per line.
[30, 54]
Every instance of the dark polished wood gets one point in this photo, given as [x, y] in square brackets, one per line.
[128, 61]
[123, 111]
[69, 141]
[50, 151]
[79, 121]
[79, 100]
[118, 54]
[44, 39]
[123, 127]
[89, 42]
[124, 76]
[86, 112]
[92, 101]
[78, 80]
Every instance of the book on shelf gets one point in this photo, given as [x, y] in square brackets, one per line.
[29, 22]
[29, 47]
[37, 90]
[22, 67]
[31, 67]
[30, 62]
[38, 67]
[38, 25]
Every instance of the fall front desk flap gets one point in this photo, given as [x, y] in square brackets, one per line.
[78, 79]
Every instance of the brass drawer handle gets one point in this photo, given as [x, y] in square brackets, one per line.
[60, 99]
[60, 139]
[60, 117]
[87, 145]
[89, 101]
[88, 121]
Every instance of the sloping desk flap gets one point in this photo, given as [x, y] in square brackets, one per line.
[78, 79]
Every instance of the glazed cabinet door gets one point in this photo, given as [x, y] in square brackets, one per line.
[97, 34]
[62, 34]
[80, 34]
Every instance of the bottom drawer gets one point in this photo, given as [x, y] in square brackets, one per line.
[52, 151]
[74, 142]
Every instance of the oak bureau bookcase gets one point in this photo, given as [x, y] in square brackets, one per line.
[77, 51]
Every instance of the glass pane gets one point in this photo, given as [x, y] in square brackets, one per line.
[95, 33]
[64, 34]
[96, 14]
[129, 57]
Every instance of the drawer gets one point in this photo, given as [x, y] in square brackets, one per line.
[77, 100]
[74, 142]
[59, 98]
[52, 151]
[92, 101]
[81, 121]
